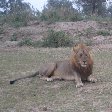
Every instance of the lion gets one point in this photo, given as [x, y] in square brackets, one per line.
[77, 68]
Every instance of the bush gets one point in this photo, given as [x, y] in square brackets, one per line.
[38, 43]
[85, 40]
[51, 17]
[76, 17]
[53, 39]
[30, 42]
[89, 32]
[26, 42]
[56, 39]
[14, 37]
[103, 33]
[1, 30]
[18, 20]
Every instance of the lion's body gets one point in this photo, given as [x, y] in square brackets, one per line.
[58, 70]
[64, 70]
[78, 67]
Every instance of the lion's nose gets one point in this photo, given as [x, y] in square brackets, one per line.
[84, 62]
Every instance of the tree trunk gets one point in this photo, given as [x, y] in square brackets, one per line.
[93, 7]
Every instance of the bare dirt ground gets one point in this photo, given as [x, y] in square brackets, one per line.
[38, 31]
[83, 29]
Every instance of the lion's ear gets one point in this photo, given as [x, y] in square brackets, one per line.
[75, 49]
[88, 48]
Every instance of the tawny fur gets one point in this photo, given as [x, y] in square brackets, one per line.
[78, 68]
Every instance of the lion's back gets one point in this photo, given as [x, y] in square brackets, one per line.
[64, 68]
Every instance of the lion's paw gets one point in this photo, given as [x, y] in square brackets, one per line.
[78, 85]
[92, 79]
[49, 79]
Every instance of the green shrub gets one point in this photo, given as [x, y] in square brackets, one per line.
[88, 42]
[103, 33]
[1, 30]
[50, 17]
[2, 19]
[56, 39]
[76, 17]
[17, 24]
[53, 39]
[26, 42]
[38, 43]
[85, 40]
[18, 19]
[89, 32]
[14, 37]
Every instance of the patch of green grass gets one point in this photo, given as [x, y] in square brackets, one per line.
[103, 33]
[14, 37]
[59, 96]
[26, 42]
[1, 30]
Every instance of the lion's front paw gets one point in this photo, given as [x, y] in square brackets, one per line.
[92, 79]
[49, 79]
[46, 79]
[78, 85]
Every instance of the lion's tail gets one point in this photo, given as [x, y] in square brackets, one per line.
[29, 76]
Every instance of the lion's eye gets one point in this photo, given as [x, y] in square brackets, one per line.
[81, 55]
[86, 55]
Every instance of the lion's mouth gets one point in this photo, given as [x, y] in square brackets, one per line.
[84, 65]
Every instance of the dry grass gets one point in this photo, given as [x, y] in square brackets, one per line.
[35, 95]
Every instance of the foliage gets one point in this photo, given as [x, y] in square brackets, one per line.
[25, 42]
[56, 39]
[109, 9]
[30, 42]
[19, 13]
[92, 7]
[1, 30]
[3, 6]
[76, 17]
[14, 37]
[16, 12]
[17, 20]
[60, 10]
[103, 33]
[38, 43]
[89, 32]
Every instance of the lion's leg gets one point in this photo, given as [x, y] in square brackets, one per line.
[52, 78]
[91, 79]
[78, 81]
[47, 70]
[47, 79]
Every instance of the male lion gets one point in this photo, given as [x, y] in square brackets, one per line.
[78, 68]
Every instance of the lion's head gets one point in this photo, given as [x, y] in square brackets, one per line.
[81, 56]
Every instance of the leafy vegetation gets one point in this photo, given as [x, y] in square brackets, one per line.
[56, 39]
[19, 13]
[92, 7]
[103, 33]
[14, 37]
[1, 30]
[53, 39]
[60, 10]
[15, 12]
[26, 42]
